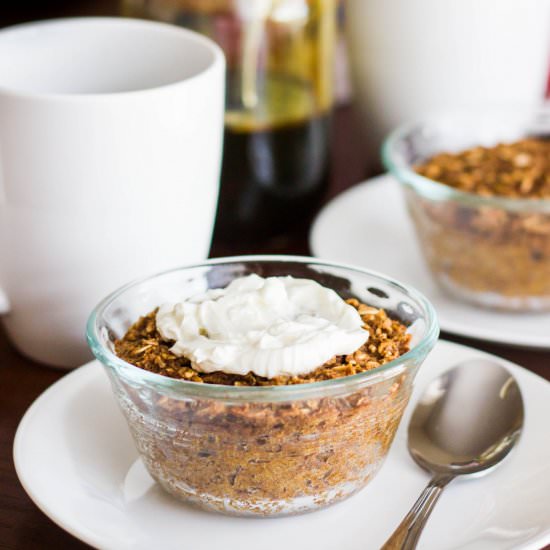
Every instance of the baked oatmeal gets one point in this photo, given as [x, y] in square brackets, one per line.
[265, 454]
[491, 254]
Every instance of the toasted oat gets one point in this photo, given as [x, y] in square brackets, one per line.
[515, 170]
[144, 347]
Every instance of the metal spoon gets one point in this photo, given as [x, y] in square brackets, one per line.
[466, 422]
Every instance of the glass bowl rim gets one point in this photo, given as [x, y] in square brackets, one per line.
[262, 393]
[438, 191]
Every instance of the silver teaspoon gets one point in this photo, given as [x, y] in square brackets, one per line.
[467, 421]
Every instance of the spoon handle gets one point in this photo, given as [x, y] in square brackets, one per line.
[406, 536]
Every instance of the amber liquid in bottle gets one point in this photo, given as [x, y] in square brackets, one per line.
[272, 179]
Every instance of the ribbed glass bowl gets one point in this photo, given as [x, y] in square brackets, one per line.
[491, 251]
[268, 450]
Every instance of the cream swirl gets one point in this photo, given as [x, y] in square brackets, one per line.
[268, 326]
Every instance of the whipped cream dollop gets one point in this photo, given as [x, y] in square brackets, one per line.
[269, 326]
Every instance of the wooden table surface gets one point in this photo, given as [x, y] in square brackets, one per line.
[22, 525]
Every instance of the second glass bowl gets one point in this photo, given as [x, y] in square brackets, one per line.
[490, 251]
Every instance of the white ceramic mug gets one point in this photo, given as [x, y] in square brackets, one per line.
[110, 151]
[411, 58]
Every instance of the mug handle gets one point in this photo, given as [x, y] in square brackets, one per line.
[4, 302]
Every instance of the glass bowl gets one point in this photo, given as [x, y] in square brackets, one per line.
[490, 251]
[268, 450]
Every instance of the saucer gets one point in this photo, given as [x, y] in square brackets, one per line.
[369, 226]
[76, 460]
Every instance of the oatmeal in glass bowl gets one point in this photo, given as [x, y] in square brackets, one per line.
[477, 187]
[263, 385]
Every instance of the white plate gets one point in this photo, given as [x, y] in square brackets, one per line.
[368, 225]
[75, 459]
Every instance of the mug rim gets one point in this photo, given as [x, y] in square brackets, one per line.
[217, 58]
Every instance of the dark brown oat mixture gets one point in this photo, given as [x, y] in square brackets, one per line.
[514, 170]
[267, 457]
[143, 347]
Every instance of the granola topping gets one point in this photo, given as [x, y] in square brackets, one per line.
[514, 170]
[144, 347]
[266, 326]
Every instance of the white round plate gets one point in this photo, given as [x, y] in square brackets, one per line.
[76, 460]
[368, 225]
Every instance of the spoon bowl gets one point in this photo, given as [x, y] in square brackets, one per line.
[466, 422]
